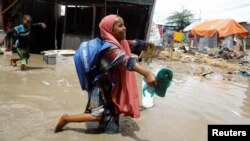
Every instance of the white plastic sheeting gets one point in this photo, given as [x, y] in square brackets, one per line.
[192, 25]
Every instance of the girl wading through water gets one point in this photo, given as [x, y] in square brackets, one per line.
[22, 32]
[116, 91]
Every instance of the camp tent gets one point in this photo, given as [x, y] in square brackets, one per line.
[222, 27]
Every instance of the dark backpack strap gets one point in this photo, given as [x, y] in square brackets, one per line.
[108, 62]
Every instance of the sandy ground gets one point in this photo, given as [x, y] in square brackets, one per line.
[31, 102]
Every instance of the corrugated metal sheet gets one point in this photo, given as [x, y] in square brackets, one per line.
[143, 2]
[247, 26]
[71, 41]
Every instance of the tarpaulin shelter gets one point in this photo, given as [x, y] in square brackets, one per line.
[224, 28]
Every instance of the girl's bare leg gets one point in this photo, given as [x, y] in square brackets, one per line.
[65, 119]
[13, 61]
[22, 67]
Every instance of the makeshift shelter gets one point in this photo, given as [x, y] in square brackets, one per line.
[222, 27]
[187, 32]
[208, 32]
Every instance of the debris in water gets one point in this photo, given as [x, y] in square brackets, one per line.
[244, 73]
[46, 83]
[63, 83]
[203, 71]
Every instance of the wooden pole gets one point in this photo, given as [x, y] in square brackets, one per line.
[6, 9]
[1, 16]
[56, 16]
[152, 9]
[105, 9]
[171, 51]
[93, 22]
[64, 27]
[151, 14]
[171, 55]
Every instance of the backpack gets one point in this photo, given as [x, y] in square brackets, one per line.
[86, 59]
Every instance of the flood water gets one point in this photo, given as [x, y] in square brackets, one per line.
[31, 102]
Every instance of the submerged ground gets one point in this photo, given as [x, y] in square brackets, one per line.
[31, 102]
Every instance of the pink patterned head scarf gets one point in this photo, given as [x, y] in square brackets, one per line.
[106, 28]
[125, 92]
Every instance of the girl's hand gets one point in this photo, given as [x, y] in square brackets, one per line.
[151, 79]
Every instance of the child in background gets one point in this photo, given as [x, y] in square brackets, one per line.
[22, 32]
[9, 36]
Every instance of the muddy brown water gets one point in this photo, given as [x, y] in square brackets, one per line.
[31, 102]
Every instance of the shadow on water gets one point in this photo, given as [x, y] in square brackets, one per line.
[92, 128]
[246, 103]
[144, 108]
[128, 127]
[38, 68]
[86, 131]
[17, 68]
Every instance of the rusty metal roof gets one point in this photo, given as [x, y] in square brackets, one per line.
[79, 2]
[142, 2]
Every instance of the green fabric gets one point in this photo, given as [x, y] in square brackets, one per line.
[24, 61]
[21, 53]
[164, 79]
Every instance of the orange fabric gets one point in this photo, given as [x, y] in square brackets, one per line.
[125, 92]
[223, 27]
